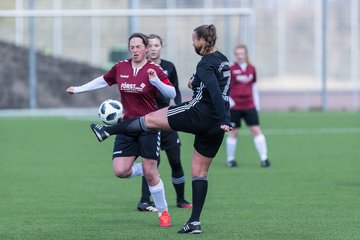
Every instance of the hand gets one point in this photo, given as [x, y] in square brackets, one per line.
[190, 84]
[151, 73]
[70, 90]
[226, 128]
[231, 102]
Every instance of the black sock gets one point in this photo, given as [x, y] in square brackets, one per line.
[145, 192]
[199, 190]
[179, 189]
[133, 125]
[177, 172]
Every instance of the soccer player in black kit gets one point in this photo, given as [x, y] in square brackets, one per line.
[206, 116]
[170, 141]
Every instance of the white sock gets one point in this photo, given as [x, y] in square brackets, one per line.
[158, 195]
[260, 144]
[231, 148]
[137, 170]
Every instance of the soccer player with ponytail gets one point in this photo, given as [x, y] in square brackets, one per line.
[206, 116]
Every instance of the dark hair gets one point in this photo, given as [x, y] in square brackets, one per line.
[142, 36]
[152, 36]
[208, 33]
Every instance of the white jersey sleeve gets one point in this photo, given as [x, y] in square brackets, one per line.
[95, 84]
[166, 90]
[256, 96]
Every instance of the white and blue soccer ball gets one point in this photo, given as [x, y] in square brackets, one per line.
[111, 111]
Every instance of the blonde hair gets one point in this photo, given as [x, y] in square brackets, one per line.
[243, 46]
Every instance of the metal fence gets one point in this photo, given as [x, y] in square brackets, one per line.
[306, 51]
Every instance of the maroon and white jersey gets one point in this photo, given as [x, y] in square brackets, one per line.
[242, 80]
[137, 94]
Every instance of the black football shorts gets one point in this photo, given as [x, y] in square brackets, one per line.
[169, 139]
[190, 119]
[146, 145]
[250, 117]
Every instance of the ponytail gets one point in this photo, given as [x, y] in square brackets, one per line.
[208, 33]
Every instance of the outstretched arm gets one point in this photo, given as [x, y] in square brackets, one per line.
[97, 83]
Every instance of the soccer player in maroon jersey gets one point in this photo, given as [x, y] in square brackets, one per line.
[242, 106]
[139, 81]
[170, 141]
[206, 116]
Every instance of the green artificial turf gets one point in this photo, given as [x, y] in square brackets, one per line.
[56, 182]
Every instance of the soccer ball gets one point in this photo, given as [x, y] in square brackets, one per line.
[111, 112]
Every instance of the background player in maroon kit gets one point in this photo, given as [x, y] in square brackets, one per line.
[242, 106]
[139, 80]
[170, 141]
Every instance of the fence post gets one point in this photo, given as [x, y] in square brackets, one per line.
[57, 29]
[19, 24]
[133, 20]
[324, 94]
[32, 59]
[355, 53]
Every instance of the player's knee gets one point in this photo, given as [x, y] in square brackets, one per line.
[150, 120]
[233, 133]
[149, 173]
[256, 131]
[122, 173]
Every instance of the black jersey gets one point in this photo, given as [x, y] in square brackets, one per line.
[170, 71]
[211, 86]
[209, 108]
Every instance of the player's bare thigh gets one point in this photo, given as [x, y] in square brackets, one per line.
[123, 166]
[158, 120]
